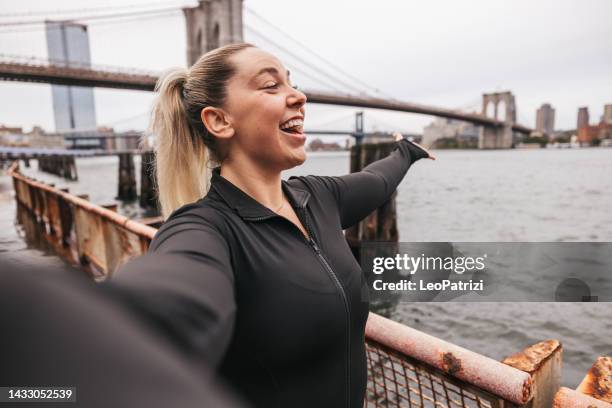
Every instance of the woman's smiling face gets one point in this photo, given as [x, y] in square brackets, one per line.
[266, 111]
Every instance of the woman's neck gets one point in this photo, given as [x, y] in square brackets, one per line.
[264, 185]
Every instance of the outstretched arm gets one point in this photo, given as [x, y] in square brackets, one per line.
[358, 194]
[183, 287]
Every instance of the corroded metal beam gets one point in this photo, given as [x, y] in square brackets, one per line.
[543, 363]
[493, 376]
[598, 381]
[568, 398]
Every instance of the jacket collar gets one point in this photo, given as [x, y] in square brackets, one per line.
[246, 206]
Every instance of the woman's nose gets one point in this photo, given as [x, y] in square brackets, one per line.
[297, 97]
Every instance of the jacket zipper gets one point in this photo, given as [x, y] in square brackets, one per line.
[334, 277]
[312, 243]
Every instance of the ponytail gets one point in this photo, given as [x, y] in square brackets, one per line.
[180, 160]
[185, 150]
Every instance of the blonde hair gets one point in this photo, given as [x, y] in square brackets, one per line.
[184, 148]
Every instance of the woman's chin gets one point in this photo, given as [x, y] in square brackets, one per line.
[297, 156]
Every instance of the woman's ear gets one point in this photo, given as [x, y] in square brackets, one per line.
[217, 122]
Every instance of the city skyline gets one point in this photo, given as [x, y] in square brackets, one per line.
[445, 75]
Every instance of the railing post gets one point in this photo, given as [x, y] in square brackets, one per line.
[598, 381]
[542, 362]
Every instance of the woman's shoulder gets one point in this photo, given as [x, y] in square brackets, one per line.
[322, 187]
[194, 218]
[315, 184]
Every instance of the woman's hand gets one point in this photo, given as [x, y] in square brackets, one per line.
[398, 136]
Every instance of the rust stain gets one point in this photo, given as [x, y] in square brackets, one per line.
[598, 381]
[530, 359]
[450, 363]
[527, 389]
[79, 231]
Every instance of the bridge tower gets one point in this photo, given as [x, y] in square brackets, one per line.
[498, 137]
[212, 24]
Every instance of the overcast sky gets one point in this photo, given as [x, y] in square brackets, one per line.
[444, 53]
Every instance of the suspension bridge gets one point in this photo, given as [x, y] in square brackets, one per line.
[209, 27]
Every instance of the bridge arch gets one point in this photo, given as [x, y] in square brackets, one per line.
[502, 113]
[504, 109]
[489, 110]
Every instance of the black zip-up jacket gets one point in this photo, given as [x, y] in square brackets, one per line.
[279, 315]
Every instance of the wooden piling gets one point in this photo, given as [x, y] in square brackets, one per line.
[127, 177]
[59, 165]
[147, 181]
[381, 224]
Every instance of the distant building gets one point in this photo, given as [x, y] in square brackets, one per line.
[589, 135]
[318, 145]
[443, 128]
[595, 134]
[607, 116]
[4, 130]
[73, 106]
[545, 119]
[583, 117]
[14, 137]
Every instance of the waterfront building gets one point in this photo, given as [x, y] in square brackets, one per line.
[583, 117]
[594, 134]
[545, 119]
[443, 128]
[607, 115]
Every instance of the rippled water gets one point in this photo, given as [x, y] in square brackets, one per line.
[475, 196]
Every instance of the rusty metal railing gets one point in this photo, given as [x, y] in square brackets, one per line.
[594, 391]
[406, 367]
[86, 234]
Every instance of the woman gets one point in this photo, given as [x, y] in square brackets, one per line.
[263, 284]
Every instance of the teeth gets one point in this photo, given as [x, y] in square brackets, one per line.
[292, 123]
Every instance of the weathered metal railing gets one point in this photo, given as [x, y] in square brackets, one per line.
[86, 234]
[406, 368]
[595, 390]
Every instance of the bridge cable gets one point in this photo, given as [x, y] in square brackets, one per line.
[34, 29]
[87, 10]
[303, 61]
[333, 86]
[376, 90]
[87, 18]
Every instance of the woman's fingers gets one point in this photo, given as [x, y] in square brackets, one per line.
[398, 136]
[431, 156]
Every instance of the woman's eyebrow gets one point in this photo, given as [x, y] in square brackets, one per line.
[270, 70]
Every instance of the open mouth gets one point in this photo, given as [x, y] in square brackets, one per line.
[294, 126]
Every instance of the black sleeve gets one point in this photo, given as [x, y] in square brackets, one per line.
[358, 194]
[184, 288]
[60, 328]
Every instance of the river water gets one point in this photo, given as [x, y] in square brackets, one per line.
[542, 195]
